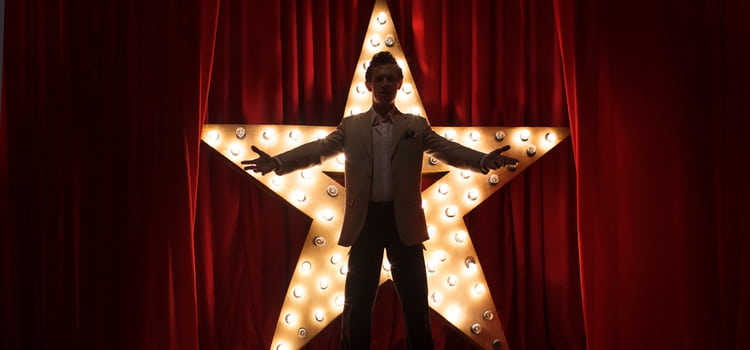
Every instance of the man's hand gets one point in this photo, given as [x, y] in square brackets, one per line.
[264, 164]
[496, 160]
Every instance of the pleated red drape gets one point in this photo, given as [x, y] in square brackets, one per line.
[120, 230]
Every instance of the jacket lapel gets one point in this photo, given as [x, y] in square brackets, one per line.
[399, 125]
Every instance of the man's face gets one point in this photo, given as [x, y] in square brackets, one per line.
[384, 84]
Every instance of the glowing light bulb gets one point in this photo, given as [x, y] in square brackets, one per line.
[459, 237]
[433, 161]
[355, 110]
[431, 266]
[479, 289]
[339, 300]
[306, 266]
[451, 211]
[473, 194]
[386, 265]
[290, 319]
[471, 264]
[276, 181]
[476, 328]
[375, 40]
[305, 174]
[268, 134]
[443, 189]
[416, 111]
[320, 134]
[361, 88]
[382, 18]
[213, 135]
[365, 65]
[282, 347]
[323, 283]
[335, 259]
[452, 280]
[295, 135]
[450, 134]
[431, 231]
[465, 174]
[550, 137]
[300, 197]
[440, 255]
[298, 292]
[524, 135]
[341, 159]
[474, 136]
[319, 315]
[453, 314]
[327, 215]
[407, 88]
[344, 269]
[235, 150]
[436, 297]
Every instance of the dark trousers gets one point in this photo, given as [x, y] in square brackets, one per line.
[409, 277]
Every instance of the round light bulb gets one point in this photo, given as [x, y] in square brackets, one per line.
[436, 297]
[290, 319]
[451, 211]
[213, 135]
[268, 134]
[375, 40]
[452, 280]
[474, 136]
[407, 88]
[327, 215]
[319, 315]
[479, 289]
[550, 137]
[450, 134]
[295, 135]
[298, 292]
[443, 189]
[306, 266]
[473, 194]
[459, 237]
[524, 135]
[382, 18]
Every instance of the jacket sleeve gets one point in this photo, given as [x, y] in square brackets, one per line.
[311, 153]
[451, 152]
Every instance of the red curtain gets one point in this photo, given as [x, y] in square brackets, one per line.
[120, 230]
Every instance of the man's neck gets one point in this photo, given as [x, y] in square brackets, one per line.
[383, 109]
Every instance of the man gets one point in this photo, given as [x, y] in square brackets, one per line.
[383, 173]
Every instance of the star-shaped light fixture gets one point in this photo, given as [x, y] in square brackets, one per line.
[458, 289]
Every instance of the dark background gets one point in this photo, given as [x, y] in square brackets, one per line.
[120, 230]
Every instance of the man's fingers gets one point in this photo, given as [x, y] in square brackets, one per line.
[259, 151]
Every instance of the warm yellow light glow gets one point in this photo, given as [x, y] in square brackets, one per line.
[474, 136]
[290, 319]
[300, 197]
[335, 259]
[323, 283]
[406, 88]
[479, 289]
[436, 297]
[382, 18]
[440, 255]
[473, 194]
[361, 88]
[327, 215]
[451, 211]
[459, 237]
[451, 280]
[443, 189]
[319, 315]
[524, 135]
[235, 149]
[295, 135]
[213, 135]
[306, 266]
[450, 134]
[298, 291]
[550, 137]
[531, 150]
[454, 314]
[268, 134]
[375, 40]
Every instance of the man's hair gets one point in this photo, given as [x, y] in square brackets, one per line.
[382, 58]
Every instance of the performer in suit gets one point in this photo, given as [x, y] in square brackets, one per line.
[383, 173]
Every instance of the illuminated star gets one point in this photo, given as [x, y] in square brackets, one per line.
[458, 290]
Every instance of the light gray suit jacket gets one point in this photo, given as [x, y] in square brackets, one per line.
[412, 137]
